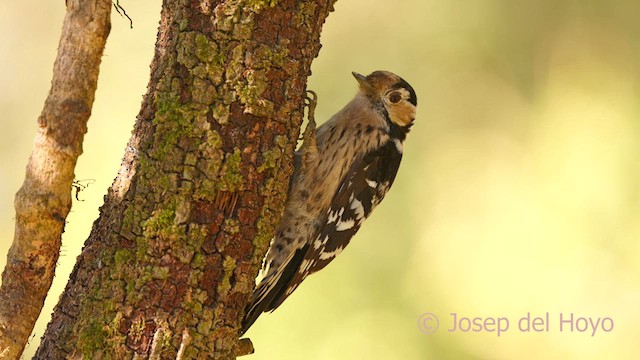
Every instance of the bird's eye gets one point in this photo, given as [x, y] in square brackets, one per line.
[395, 97]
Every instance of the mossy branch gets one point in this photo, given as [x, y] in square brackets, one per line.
[171, 262]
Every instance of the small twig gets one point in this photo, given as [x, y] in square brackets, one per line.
[122, 12]
[80, 185]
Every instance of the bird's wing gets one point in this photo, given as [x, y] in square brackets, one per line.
[363, 187]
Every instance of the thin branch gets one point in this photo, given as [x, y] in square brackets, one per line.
[44, 200]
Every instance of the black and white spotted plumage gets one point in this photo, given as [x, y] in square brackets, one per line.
[342, 173]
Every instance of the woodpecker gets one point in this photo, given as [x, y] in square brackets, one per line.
[342, 172]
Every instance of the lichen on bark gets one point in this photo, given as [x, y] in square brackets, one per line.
[171, 261]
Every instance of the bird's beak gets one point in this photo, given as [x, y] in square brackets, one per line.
[362, 80]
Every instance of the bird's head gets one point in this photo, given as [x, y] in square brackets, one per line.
[391, 95]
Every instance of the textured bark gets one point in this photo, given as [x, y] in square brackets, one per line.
[44, 200]
[171, 262]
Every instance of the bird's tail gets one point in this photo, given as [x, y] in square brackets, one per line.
[272, 290]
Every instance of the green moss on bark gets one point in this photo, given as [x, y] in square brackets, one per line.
[203, 185]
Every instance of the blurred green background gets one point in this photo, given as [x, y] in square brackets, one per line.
[519, 192]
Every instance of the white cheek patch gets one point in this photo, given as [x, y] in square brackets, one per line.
[403, 112]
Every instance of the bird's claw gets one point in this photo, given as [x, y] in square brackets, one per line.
[311, 100]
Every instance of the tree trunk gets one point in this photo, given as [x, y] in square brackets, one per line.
[171, 262]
